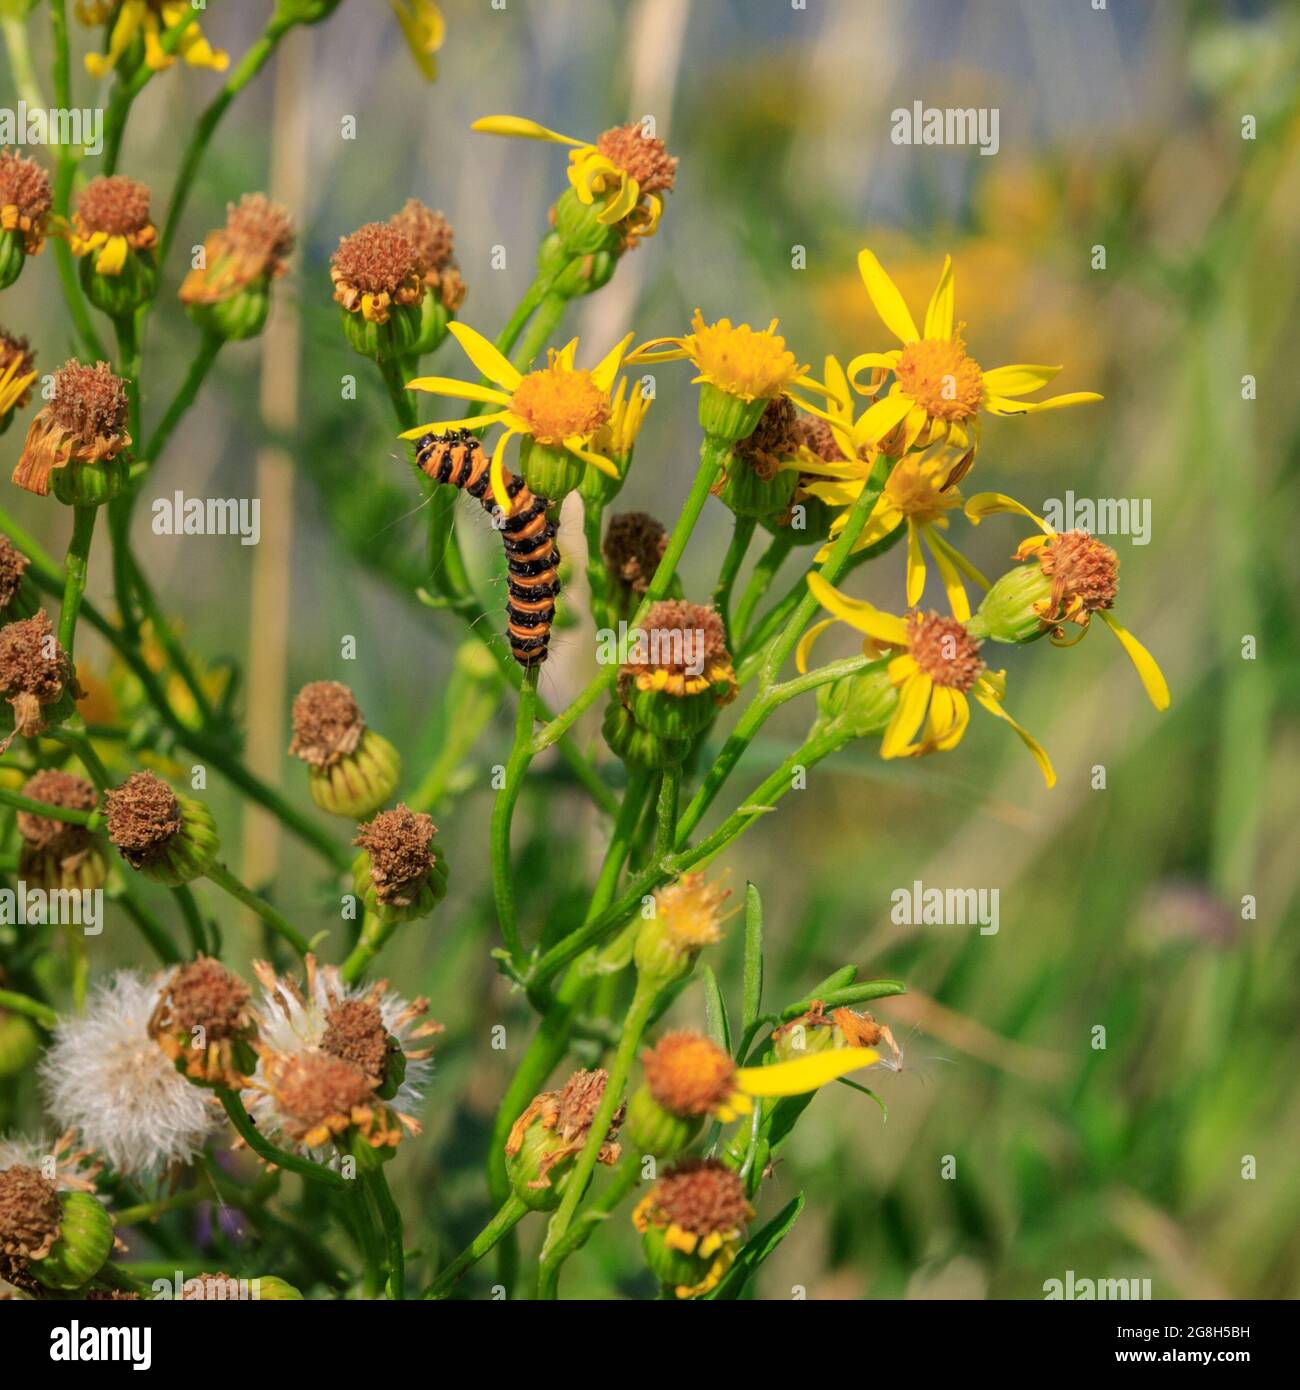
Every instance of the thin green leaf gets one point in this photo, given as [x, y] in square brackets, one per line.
[857, 1086]
[715, 1010]
[757, 1250]
[753, 986]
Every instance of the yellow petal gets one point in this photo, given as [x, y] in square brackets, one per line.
[948, 719]
[858, 613]
[113, 257]
[606, 369]
[913, 700]
[987, 697]
[999, 405]
[461, 390]
[880, 418]
[804, 649]
[485, 356]
[575, 445]
[443, 426]
[944, 555]
[890, 305]
[1017, 380]
[915, 565]
[1144, 663]
[938, 313]
[498, 474]
[983, 504]
[804, 1074]
[521, 126]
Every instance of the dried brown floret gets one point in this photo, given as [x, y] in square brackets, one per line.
[643, 156]
[30, 1213]
[115, 205]
[431, 236]
[702, 1197]
[252, 246]
[688, 1074]
[354, 1031]
[34, 671]
[143, 816]
[568, 1114]
[13, 564]
[25, 199]
[944, 650]
[633, 546]
[327, 723]
[375, 269]
[57, 788]
[1084, 574]
[85, 420]
[399, 843]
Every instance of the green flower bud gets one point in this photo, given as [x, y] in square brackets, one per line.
[273, 1290]
[749, 494]
[241, 316]
[351, 770]
[389, 341]
[169, 838]
[578, 226]
[638, 748]
[725, 417]
[12, 257]
[551, 1133]
[1011, 609]
[551, 471]
[121, 294]
[84, 484]
[377, 282]
[84, 1242]
[861, 704]
[686, 917]
[654, 1130]
[397, 874]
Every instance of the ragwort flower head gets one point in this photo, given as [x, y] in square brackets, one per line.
[147, 21]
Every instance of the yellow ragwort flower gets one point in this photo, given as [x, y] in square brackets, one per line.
[938, 387]
[936, 666]
[1085, 578]
[559, 406]
[625, 171]
[150, 18]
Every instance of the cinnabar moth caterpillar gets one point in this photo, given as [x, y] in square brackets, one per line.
[459, 460]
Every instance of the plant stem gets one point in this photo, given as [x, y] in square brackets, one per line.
[291, 1163]
[638, 1015]
[741, 536]
[68, 814]
[76, 567]
[508, 1216]
[280, 925]
[391, 1220]
[549, 313]
[521, 753]
[32, 1008]
[713, 455]
[209, 347]
[769, 562]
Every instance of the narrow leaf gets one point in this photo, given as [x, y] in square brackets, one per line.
[715, 1010]
[753, 957]
[757, 1250]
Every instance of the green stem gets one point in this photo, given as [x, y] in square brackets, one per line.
[374, 934]
[638, 1015]
[76, 567]
[625, 1178]
[549, 313]
[70, 735]
[521, 753]
[32, 1008]
[713, 455]
[209, 347]
[741, 536]
[508, 1216]
[666, 812]
[760, 581]
[391, 1221]
[291, 1163]
[280, 925]
[68, 814]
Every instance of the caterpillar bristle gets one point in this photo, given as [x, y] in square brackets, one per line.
[532, 559]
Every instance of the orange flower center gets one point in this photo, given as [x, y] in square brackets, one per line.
[938, 374]
[558, 402]
[918, 493]
[945, 651]
[688, 1074]
[1082, 571]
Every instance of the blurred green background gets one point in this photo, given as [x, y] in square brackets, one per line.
[1121, 908]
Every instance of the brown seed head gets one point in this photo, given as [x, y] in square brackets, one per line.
[34, 671]
[260, 232]
[399, 843]
[681, 635]
[702, 1197]
[327, 723]
[354, 1031]
[57, 788]
[818, 437]
[688, 1074]
[643, 156]
[774, 438]
[13, 563]
[25, 198]
[1083, 571]
[375, 259]
[314, 1088]
[944, 650]
[203, 994]
[428, 232]
[115, 205]
[633, 546]
[89, 402]
[30, 1213]
[143, 816]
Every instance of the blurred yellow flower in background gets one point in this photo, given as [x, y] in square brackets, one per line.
[425, 29]
[149, 19]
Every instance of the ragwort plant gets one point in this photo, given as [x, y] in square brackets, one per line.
[319, 1069]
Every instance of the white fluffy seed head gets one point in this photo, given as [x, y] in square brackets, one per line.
[105, 1076]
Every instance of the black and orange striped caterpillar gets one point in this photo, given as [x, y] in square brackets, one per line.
[459, 460]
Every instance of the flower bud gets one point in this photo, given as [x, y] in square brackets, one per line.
[112, 233]
[352, 770]
[550, 470]
[655, 1130]
[860, 704]
[378, 286]
[37, 679]
[753, 482]
[78, 440]
[229, 294]
[1012, 609]
[692, 1222]
[397, 874]
[639, 749]
[687, 917]
[550, 1134]
[25, 202]
[169, 838]
[431, 235]
[678, 671]
[60, 1238]
[60, 855]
